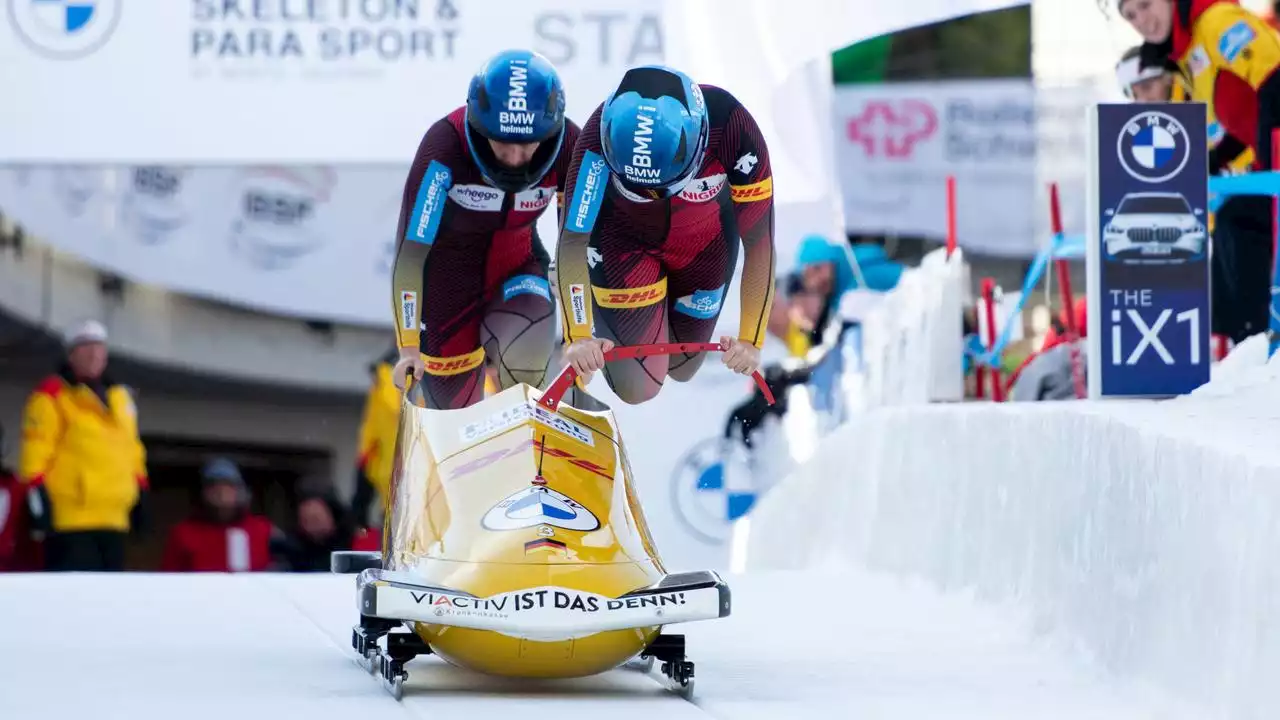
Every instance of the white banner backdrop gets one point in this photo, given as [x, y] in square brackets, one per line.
[897, 143]
[281, 238]
[331, 81]
[283, 81]
[314, 241]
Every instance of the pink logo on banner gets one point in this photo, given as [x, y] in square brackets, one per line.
[891, 128]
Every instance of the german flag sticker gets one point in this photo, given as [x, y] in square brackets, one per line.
[544, 544]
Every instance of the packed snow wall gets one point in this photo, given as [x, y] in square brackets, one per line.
[1143, 533]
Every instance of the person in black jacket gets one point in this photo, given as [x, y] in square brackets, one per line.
[323, 526]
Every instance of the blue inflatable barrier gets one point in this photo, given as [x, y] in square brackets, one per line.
[1260, 183]
[1061, 247]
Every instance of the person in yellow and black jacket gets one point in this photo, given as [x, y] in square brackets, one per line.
[1242, 226]
[377, 444]
[378, 427]
[1230, 56]
[82, 459]
[1141, 81]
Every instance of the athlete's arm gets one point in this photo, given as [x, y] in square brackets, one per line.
[421, 209]
[587, 179]
[571, 134]
[744, 153]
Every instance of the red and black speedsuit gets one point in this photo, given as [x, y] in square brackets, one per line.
[651, 271]
[470, 276]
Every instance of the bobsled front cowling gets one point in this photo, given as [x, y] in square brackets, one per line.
[506, 496]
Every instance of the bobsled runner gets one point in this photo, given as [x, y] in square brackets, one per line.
[513, 544]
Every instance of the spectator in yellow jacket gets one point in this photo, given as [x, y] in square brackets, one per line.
[378, 428]
[83, 458]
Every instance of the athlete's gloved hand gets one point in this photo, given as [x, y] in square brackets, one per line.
[410, 357]
[587, 356]
[741, 357]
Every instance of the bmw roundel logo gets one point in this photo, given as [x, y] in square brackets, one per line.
[1153, 147]
[64, 29]
[703, 497]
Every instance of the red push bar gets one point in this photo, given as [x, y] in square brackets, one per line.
[551, 398]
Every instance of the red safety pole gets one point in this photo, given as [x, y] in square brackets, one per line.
[1068, 299]
[951, 215]
[1273, 342]
[989, 300]
[1064, 271]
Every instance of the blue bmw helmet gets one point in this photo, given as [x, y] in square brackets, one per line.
[516, 97]
[654, 131]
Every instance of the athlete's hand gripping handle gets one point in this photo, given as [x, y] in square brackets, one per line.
[411, 391]
[551, 398]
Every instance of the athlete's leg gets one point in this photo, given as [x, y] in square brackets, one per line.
[629, 289]
[452, 310]
[518, 330]
[698, 279]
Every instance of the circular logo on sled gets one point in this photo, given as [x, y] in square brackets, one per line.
[539, 506]
[1152, 147]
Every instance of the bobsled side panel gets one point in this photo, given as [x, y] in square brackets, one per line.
[415, 481]
[527, 492]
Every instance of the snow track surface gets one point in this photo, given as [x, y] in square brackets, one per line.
[242, 647]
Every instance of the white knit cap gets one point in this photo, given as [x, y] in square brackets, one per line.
[89, 331]
[1129, 72]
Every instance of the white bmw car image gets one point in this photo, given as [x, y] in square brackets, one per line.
[1154, 226]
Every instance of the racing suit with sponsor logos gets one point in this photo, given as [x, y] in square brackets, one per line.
[1231, 56]
[470, 274]
[1227, 155]
[637, 271]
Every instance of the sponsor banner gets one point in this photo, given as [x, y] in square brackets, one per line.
[546, 598]
[547, 613]
[314, 242]
[1148, 253]
[511, 416]
[896, 145]
[239, 80]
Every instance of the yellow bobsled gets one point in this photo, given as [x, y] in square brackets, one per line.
[513, 544]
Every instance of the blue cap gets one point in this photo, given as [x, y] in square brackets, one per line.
[221, 469]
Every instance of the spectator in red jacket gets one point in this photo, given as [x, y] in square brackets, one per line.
[18, 551]
[1058, 370]
[222, 535]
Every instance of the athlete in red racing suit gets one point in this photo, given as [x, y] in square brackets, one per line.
[470, 275]
[649, 243]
